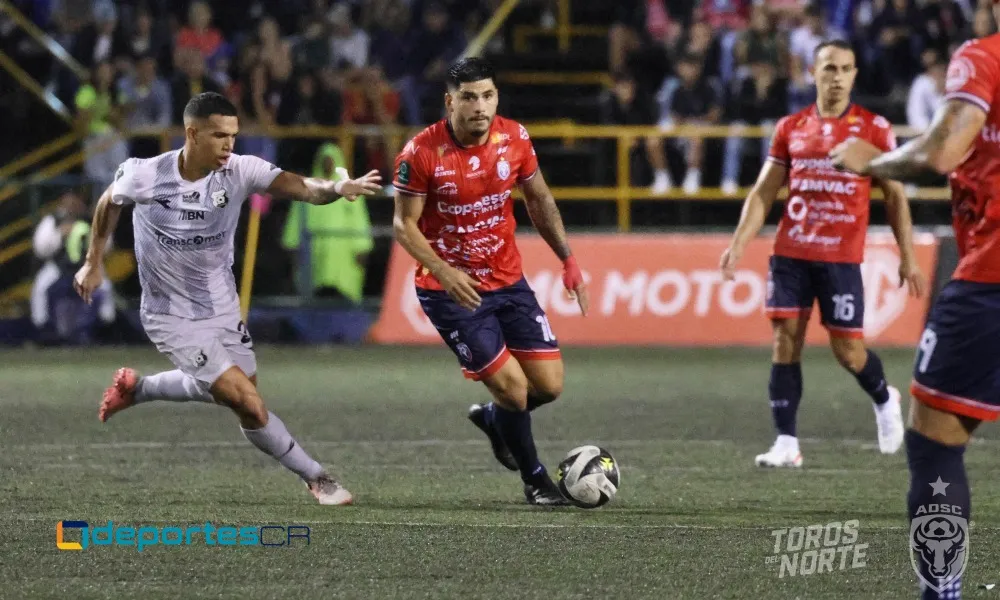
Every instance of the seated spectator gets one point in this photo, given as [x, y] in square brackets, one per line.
[199, 33]
[146, 102]
[189, 80]
[102, 40]
[688, 99]
[99, 115]
[760, 99]
[146, 39]
[624, 105]
[432, 49]
[348, 43]
[926, 93]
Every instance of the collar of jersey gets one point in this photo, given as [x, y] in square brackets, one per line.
[850, 105]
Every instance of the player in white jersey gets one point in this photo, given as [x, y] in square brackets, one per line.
[187, 206]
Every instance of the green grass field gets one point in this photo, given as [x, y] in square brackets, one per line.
[435, 517]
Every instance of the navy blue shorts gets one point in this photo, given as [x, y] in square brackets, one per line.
[509, 322]
[793, 285]
[957, 368]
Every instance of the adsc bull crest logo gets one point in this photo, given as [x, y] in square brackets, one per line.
[939, 543]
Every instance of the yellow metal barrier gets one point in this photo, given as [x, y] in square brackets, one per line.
[489, 30]
[50, 99]
[44, 40]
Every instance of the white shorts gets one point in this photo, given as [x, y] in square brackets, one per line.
[203, 348]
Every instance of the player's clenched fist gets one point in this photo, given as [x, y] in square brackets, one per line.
[86, 280]
[460, 286]
[575, 285]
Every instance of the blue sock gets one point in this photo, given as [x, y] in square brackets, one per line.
[785, 390]
[515, 429]
[535, 401]
[931, 462]
[871, 378]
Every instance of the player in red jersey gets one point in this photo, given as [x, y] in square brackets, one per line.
[956, 374]
[454, 214]
[819, 248]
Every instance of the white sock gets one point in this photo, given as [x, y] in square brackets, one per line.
[174, 386]
[273, 439]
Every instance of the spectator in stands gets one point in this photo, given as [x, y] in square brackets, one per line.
[305, 103]
[727, 19]
[623, 104]
[983, 24]
[147, 39]
[339, 234]
[802, 50]
[926, 93]
[100, 116]
[372, 101]
[432, 48]
[146, 101]
[761, 42]
[275, 51]
[944, 25]
[60, 241]
[761, 99]
[896, 28]
[700, 40]
[101, 40]
[311, 51]
[348, 44]
[688, 99]
[389, 49]
[189, 80]
[199, 33]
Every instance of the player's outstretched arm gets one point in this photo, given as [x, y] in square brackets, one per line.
[91, 274]
[755, 209]
[898, 212]
[940, 149]
[323, 191]
[545, 215]
[460, 286]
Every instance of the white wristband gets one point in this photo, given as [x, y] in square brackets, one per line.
[338, 187]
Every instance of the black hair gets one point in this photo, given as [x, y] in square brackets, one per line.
[468, 70]
[841, 44]
[206, 104]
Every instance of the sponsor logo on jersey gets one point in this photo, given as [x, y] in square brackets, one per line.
[120, 171]
[881, 122]
[191, 215]
[522, 132]
[502, 150]
[220, 198]
[440, 171]
[474, 163]
[797, 146]
[991, 134]
[196, 240]
[448, 189]
[191, 198]
[824, 185]
[404, 172]
[483, 205]
[498, 137]
[162, 201]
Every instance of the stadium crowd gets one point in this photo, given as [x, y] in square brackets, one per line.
[747, 62]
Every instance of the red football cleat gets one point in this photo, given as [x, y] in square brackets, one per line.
[120, 395]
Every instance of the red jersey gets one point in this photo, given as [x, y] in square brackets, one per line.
[468, 215]
[826, 214]
[973, 76]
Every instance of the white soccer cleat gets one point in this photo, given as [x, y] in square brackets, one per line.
[889, 419]
[329, 492]
[784, 453]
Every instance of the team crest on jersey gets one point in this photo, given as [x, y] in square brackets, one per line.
[220, 198]
[200, 360]
[960, 71]
[503, 169]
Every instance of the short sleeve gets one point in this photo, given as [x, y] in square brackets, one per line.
[973, 75]
[123, 189]
[410, 174]
[779, 144]
[529, 161]
[256, 173]
[882, 135]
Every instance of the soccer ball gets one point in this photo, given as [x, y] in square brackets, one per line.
[588, 476]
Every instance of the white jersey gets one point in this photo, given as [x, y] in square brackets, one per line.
[184, 230]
